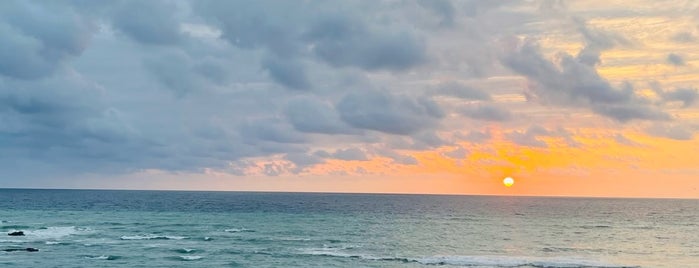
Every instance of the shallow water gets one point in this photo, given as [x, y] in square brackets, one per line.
[87, 228]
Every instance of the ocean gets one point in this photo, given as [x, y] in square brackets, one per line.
[103, 228]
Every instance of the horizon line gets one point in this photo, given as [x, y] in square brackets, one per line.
[348, 193]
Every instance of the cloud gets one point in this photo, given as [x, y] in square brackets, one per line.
[443, 8]
[530, 137]
[338, 39]
[148, 22]
[621, 139]
[487, 112]
[526, 139]
[388, 113]
[269, 129]
[671, 131]
[30, 49]
[277, 88]
[675, 59]
[349, 154]
[315, 116]
[688, 96]
[302, 161]
[340, 42]
[574, 82]
[458, 153]
[475, 136]
[175, 71]
[683, 37]
[458, 90]
[288, 73]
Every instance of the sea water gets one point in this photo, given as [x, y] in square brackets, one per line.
[91, 228]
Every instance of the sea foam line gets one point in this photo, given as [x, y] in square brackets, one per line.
[490, 261]
[152, 237]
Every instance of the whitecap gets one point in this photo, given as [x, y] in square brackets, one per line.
[102, 257]
[478, 261]
[53, 233]
[152, 237]
[516, 261]
[191, 258]
[239, 230]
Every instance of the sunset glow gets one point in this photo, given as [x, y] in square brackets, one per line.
[571, 98]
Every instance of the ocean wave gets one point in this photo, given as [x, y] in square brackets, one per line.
[56, 243]
[13, 227]
[103, 257]
[239, 230]
[514, 261]
[478, 261]
[54, 233]
[152, 237]
[190, 258]
[599, 226]
[186, 250]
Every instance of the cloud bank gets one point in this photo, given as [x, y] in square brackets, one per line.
[272, 88]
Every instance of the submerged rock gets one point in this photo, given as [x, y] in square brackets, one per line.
[21, 249]
[16, 233]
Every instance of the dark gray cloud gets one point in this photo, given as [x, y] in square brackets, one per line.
[341, 41]
[174, 70]
[349, 154]
[671, 131]
[388, 113]
[530, 137]
[487, 112]
[149, 22]
[675, 59]
[458, 153]
[287, 29]
[683, 37]
[269, 129]
[526, 139]
[443, 8]
[574, 82]
[459, 90]
[474, 136]
[32, 50]
[288, 73]
[426, 140]
[621, 139]
[315, 116]
[688, 96]
[302, 161]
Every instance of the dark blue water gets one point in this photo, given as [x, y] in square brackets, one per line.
[88, 228]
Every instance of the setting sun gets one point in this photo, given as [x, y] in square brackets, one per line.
[508, 181]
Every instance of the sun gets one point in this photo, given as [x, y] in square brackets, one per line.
[508, 181]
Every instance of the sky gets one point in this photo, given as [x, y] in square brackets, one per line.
[570, 98]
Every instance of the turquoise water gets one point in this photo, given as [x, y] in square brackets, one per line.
[73, 228]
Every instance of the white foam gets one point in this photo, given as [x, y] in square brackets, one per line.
[478, 261]
[53, 233]
[151, 237]
[330, 252]
[238, 230]
[101, 257]
[517, 261]
[191, 258]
